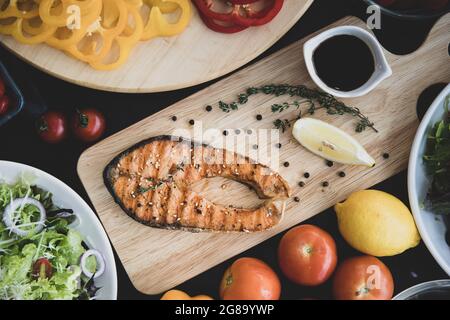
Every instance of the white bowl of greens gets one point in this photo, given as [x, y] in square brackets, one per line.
[52, 245]
[429, 179]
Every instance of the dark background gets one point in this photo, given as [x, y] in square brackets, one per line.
[19, 142]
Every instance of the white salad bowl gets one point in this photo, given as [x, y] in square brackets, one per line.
[87, 223]
[431, 226]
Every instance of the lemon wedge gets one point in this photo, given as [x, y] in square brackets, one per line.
[330, 142]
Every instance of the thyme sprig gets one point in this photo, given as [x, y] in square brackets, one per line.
[282, 125]
[154, 187]
[311, 96]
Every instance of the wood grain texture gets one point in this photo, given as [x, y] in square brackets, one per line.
[157, 260]
[196, 56]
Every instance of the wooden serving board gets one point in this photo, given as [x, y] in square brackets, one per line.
[157, 260]
[196, 56]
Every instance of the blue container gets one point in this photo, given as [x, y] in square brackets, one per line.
[15, 96]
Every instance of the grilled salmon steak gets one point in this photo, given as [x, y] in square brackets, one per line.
[151, 182]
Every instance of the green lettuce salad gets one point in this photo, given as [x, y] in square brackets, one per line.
[437, 161]
[41, 256]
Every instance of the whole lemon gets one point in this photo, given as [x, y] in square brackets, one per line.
[377, 223]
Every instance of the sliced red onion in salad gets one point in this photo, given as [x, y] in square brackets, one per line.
[100, 265]
[11, 221]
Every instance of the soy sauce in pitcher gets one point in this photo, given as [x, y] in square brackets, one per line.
[344, 62]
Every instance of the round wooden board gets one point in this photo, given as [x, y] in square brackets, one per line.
[196, 56]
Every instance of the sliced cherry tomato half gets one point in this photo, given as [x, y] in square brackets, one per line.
[222, 27]
[42, 269]
[4, 105]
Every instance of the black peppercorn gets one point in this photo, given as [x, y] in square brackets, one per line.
[174, 118]
[329, 163]
[386, 155]
[225, 132]
[191, 122]
[325, 184]
[278, 145]
[286, 164]
[341, 174]
[259, 117]
[208, 108]
[301, 184]
[297, 199]
[306, 175]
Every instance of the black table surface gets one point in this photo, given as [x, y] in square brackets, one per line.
[20, 143]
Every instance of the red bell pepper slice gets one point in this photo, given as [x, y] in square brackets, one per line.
[241, 14]
[259, 18]
[221, 26]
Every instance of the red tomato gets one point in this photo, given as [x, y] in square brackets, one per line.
[2, 88]
[363, 278]
[88, 125]
[307, 255]
[42, 269]
[4, 104]
[250, 279]
[52, 127]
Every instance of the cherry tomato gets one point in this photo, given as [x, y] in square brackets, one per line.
[88, 125]
[4, 104]
[250, 279]
[363, 278]
[307, 255]
[2, 88]
[52, 127]
[42, 269]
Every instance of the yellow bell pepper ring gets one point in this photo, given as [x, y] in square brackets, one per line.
[27, 10]
[19, 35]
[105, 31]
[64, 37]
[7, 25]
[57, 13]
[157, 25]
[124, 42]
[164, 6]
[33, 27]
[107, 35]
